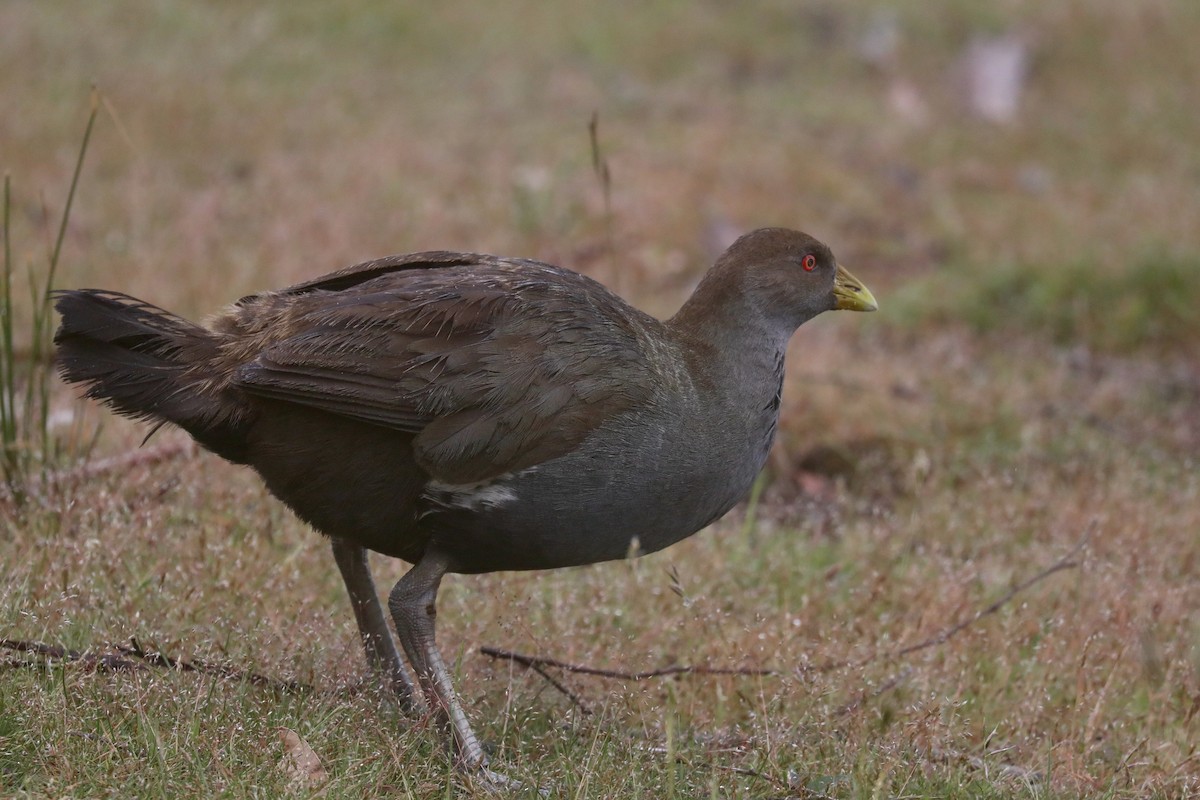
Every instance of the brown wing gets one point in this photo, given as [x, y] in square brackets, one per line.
[493, 365]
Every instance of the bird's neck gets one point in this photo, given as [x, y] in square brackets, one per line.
[738, 360]
[729, 340]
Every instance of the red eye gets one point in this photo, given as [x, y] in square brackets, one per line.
[809, 263]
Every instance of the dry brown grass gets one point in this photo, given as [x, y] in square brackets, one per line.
[926, 463]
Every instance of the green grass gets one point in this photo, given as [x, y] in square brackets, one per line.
[1030, 376]
[27, 445]
[1151, 302]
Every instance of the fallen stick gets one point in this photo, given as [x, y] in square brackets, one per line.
[540, 663]
[1066, 562]
[50, 652]
[533, 662]
[133, 658]
[160, 659]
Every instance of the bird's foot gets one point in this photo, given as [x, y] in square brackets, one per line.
[498, 783]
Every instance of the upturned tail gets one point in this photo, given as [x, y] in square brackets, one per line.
[147, 363]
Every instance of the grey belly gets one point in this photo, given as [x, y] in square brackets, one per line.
[591, 505]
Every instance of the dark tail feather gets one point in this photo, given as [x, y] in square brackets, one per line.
[146, 363]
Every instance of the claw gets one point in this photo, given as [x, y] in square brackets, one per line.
[499, 783]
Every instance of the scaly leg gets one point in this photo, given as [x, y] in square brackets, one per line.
[413, 605]
[372, 626]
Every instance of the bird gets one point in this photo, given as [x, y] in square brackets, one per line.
[469, 413]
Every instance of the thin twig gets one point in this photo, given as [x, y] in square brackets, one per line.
[98, 661]
[159, 659]
[1066, 562]
[537, 663]
[788, 785]
[533, 662]
[662, 750]
[18, 663]
[560, 686]
[141, 658]
[749, 773]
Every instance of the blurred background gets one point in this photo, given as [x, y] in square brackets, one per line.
[1019, 184]
[246, 148]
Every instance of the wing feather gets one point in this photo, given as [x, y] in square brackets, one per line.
[493, 365]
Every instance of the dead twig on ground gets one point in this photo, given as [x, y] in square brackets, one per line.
[133, 658]
[540, 663]
[220, 670]
[97, 661]
[579, 702]
[1066, 562]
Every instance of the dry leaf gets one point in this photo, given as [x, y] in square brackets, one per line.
[300, 762]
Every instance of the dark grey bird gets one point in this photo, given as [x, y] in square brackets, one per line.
[469, 413]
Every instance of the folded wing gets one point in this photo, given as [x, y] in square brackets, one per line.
[491, 364]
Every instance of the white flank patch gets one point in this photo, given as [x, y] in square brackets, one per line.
[469, 496]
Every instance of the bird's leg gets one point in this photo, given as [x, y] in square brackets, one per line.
[412, 602]
[372, 626]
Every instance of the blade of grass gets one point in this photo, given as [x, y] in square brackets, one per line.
[62, 228]
[25, 427]
[8, 429]
[42, 317]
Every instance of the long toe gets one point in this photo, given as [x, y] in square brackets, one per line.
[498, 783]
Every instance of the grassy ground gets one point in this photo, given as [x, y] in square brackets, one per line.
[1032, 381]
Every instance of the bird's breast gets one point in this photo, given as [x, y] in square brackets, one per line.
[641, 484]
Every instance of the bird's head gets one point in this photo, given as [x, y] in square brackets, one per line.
[789, 277]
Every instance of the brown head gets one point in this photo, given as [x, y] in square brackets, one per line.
[777, 277]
